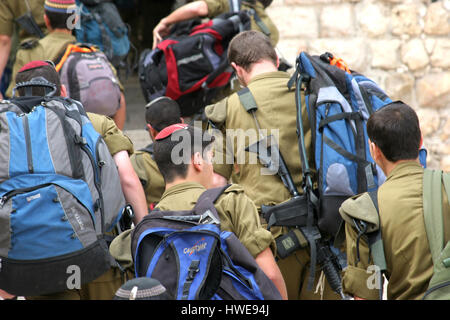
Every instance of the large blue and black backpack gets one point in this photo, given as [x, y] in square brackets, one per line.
[59, 193]
[101, 25]
[193, 259]
[339, 102]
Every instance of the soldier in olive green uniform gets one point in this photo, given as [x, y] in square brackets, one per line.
[159, 113]
[395, 138]
[12, 33]
[185, 182]
[212, 8]
[276, 113]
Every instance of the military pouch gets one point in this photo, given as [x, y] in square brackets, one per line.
[287, 214]
[290, 242]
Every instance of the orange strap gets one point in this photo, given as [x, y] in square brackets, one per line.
[72, 48]
[338, 62]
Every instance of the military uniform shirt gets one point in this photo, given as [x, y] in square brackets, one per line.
[148, 172]
[114, 138]
[276, 113]
[407, 253]
[236, 211]
[13, 9]
[217, 7]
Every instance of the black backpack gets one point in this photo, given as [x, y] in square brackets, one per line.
[190, 65]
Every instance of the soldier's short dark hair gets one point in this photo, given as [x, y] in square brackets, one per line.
[174, 153]
[58, 20]
[162, 112]
[395, 130]
[250, 47]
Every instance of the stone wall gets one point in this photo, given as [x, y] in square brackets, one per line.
[403, 45]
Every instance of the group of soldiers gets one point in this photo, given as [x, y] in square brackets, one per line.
[151, 179]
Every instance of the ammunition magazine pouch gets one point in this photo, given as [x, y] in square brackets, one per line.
[291, 213]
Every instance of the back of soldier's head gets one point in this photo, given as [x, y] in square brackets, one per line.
[250, 47]
[60, 13]
[162, 112]
[175, 146]
[36, 70]
[395, 130]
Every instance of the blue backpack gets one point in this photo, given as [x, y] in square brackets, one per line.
[59, 194]
[102, 25]
[194, 260]
[338, 103]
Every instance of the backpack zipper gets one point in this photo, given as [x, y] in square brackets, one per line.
[15, 192]
[26, 130]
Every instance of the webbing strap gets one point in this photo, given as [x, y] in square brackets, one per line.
[376, 245]
[432, 211]
[193, 270]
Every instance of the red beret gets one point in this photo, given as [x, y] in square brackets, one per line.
[33, 65]
[167, 131]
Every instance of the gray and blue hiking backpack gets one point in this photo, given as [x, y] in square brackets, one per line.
[59, 193]
[339, 102]
[194, 260]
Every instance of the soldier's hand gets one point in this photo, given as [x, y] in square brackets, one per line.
[160, 31]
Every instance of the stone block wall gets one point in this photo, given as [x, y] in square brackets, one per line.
[403, 45]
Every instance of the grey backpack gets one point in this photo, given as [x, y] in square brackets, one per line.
[59, 194]
[90, 79]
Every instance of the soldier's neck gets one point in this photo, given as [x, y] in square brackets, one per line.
[62, 30]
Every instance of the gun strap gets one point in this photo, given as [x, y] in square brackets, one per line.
[248, 102]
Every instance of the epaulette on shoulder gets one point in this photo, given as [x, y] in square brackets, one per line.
[234, 188]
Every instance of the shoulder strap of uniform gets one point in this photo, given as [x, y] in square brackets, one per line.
[432, 209]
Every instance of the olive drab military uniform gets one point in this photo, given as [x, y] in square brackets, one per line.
[149, 175]
[407, 252]
[105, 286]
[216, 7]
[10, 10]
[276, 113]
[237, 213]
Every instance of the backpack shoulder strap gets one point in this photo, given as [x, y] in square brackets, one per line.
[207, 199]
[376, 246]
[149, 149]
[235, 5]
[432, 209]
[375, 239]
